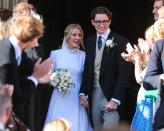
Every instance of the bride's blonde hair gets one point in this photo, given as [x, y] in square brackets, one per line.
[68, 30]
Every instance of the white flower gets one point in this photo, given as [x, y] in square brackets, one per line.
[62, 80]
[65, 88]
[66, 84]
[110, 43]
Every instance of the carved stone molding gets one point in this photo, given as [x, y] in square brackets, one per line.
[9, 4]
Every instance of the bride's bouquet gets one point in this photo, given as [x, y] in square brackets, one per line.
[62, 80]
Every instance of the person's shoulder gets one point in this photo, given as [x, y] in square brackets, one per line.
[92, 36]
[81, 52]
[57, 51]
[120, 40]
[89, 40]
[160, 42]
[119, 37]
[6, 40]
[5, 43]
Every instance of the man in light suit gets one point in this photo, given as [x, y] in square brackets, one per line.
[106, 74]
[25, 33]
[154, 79]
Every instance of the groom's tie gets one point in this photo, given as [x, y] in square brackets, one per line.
[99, 42]
[18, 60]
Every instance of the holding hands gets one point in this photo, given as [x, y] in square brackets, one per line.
[84, 101]
[111, 105]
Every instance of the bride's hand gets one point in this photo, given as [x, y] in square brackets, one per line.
[84, 101]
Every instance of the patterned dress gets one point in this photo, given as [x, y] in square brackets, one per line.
[143, 117]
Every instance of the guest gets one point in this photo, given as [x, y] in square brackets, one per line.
[106, 74]
[4, 29]
[5, 14]
[25, 32]
[14, 123]
[5, 106]
[71, 58]
[154, 75]
[143, 117]
[161, 12]
[159, 28]
[122, 127]
[58, 124]
[33, 53]
[29, 57]
[157, 4]
[23, 8]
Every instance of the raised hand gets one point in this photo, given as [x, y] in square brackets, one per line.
[133, 53]
[46, 78]
[129, 48]
[42, 70]
[144, 46]
[10, 88]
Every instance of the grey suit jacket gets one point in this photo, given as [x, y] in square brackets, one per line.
[9, 75]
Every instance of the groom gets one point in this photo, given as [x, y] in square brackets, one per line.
[106, 73]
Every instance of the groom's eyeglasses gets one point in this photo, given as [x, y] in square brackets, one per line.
[99, 22]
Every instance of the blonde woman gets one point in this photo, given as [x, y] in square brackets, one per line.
[143, 117]
[154, 74]
[58, 124]
[69, 57]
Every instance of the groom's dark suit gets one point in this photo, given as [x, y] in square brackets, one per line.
[152, 80]
[114, 71]
[9, 75]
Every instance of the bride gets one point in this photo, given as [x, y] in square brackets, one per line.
[69, 57]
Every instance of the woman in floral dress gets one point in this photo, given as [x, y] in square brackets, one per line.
[139, 54]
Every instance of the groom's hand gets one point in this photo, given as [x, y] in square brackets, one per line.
[84, 101]
[111, 105]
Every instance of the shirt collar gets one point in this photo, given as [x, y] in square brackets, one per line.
[17, 48]
[105, 35]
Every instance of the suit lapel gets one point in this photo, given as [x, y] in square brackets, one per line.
[106, 54]
[92, 50]
[12, 54]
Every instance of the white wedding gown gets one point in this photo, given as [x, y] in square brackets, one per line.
[68, 106]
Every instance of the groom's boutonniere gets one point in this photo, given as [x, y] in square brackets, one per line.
[110, 43]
